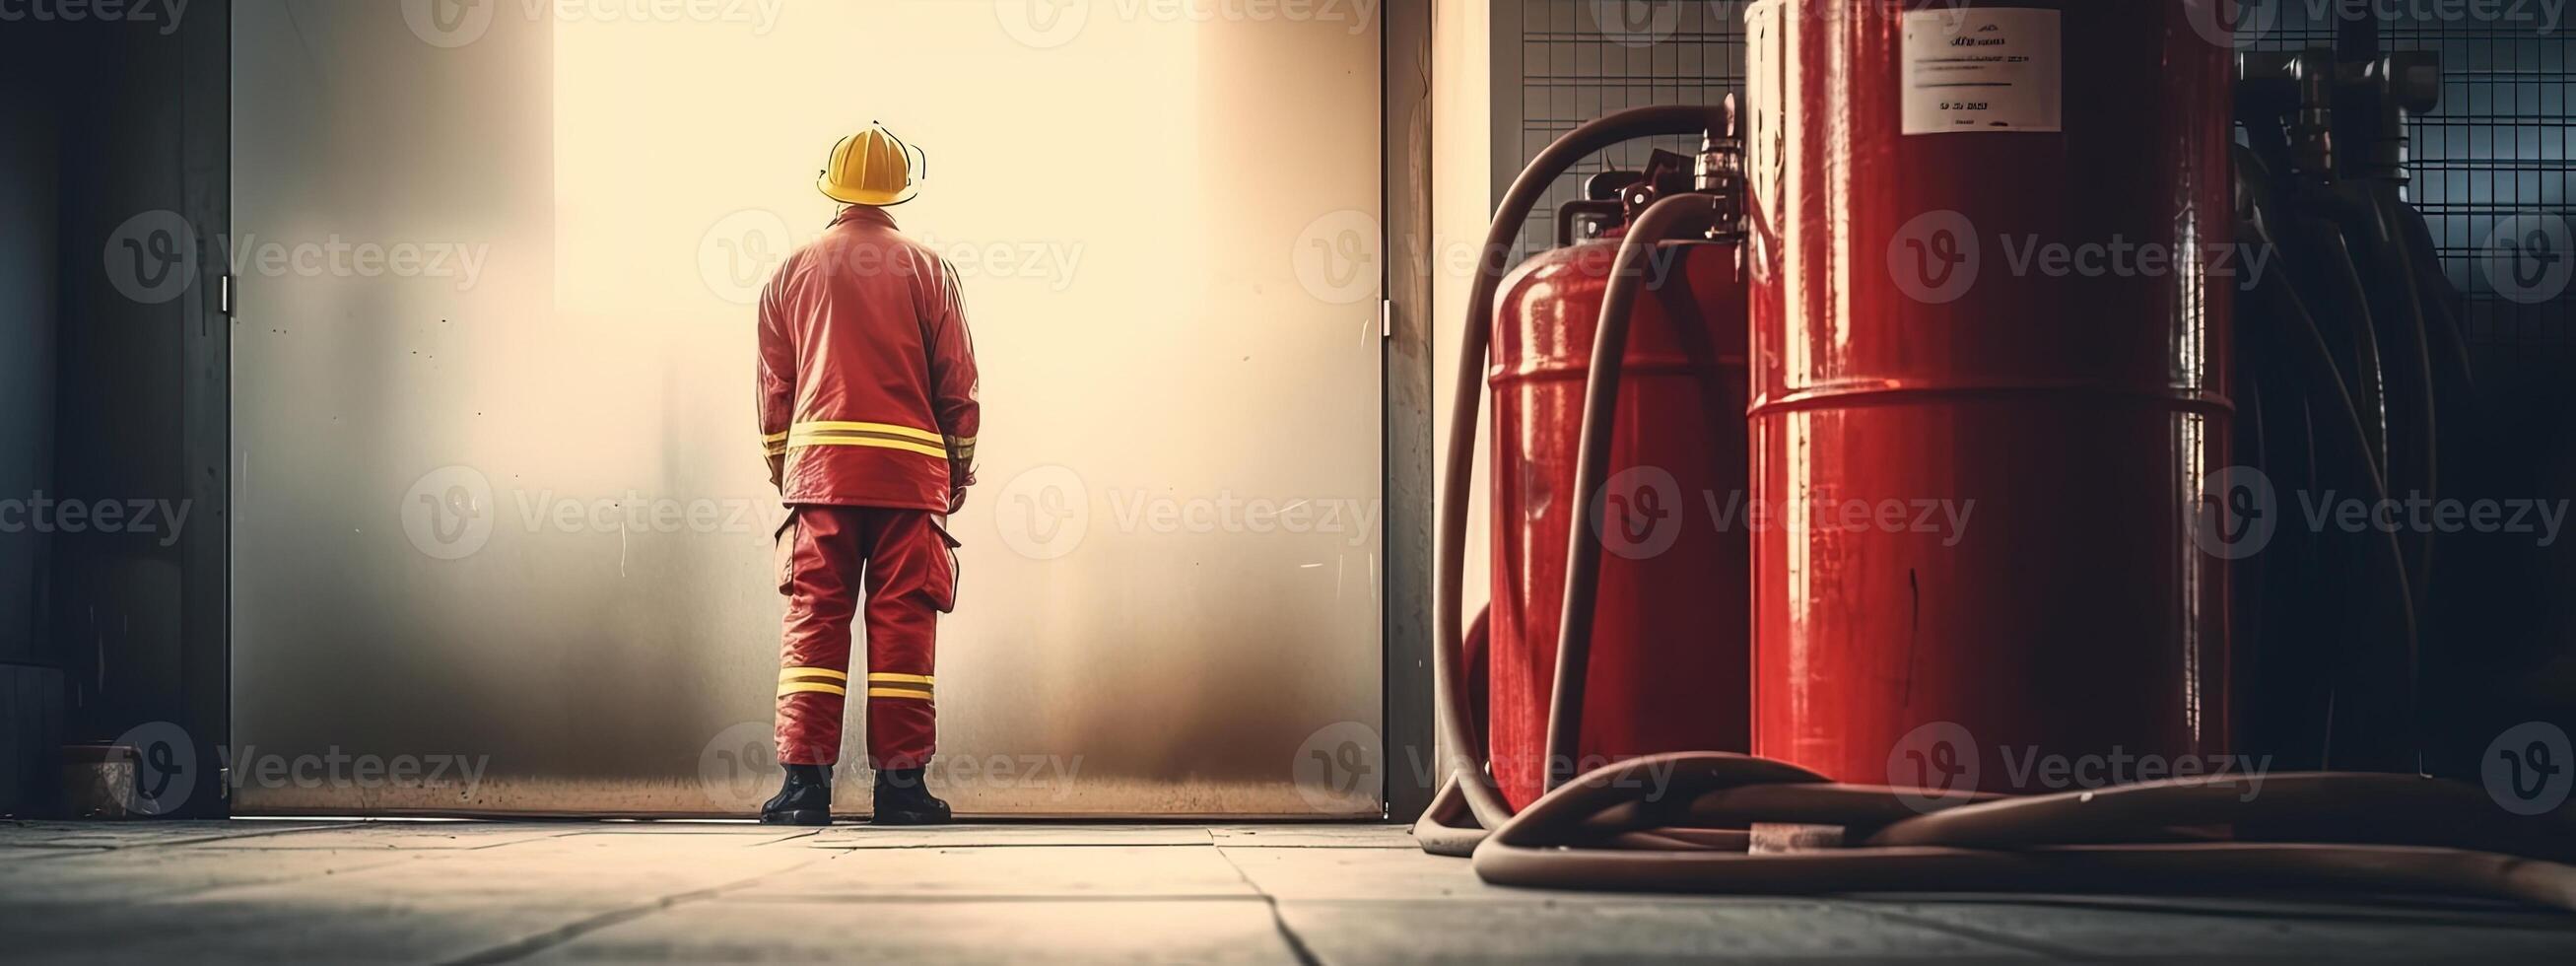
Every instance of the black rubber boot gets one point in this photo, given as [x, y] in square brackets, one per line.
[903, 798]
[806, 799]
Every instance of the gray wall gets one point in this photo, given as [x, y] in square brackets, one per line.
[30, 678]
[109, 399]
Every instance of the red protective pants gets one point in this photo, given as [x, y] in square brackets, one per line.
[911, 578]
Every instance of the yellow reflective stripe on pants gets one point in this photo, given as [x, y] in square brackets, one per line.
[798, 687]
[824, 672]
[898, 693]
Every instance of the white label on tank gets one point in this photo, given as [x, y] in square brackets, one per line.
[1981, 69]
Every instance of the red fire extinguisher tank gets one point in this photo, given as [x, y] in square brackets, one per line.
[1990, 330]
[1669, 637]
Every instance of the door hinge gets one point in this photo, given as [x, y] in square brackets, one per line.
[1386, 318]
[224, 296]
[224, 784]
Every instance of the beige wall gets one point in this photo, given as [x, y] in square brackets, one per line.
[1461, 206]
[1166, 231]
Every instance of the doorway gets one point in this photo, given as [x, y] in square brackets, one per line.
[502, 524]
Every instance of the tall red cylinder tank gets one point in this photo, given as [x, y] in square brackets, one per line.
[1991, 270]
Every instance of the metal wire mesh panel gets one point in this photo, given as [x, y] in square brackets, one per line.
[1580, 59]
[2494, 164]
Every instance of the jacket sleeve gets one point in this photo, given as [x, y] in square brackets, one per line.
[777, 380]
[952, 375]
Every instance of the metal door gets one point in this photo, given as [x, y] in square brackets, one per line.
[503, 538]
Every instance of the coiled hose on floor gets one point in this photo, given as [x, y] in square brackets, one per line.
[1714, 822]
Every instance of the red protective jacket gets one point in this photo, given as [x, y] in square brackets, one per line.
[867, 373]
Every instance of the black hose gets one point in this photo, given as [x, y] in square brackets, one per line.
[1676, 216]
[2298, 340]
[2449, 339]
[2405, 354]
[1462, 748]
[2308, 345]
[2346, 323]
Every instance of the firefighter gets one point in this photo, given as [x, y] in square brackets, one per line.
[868, 415]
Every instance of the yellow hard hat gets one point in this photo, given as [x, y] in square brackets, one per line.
[872, 167]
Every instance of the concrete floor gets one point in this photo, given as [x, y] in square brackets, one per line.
[253, 891]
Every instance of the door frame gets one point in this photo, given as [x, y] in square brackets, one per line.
[1404, 34]
[1407, 406]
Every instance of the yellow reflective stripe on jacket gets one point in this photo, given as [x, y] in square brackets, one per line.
[879, 442]
[890, 429]
[774, 444]
[879, 435]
